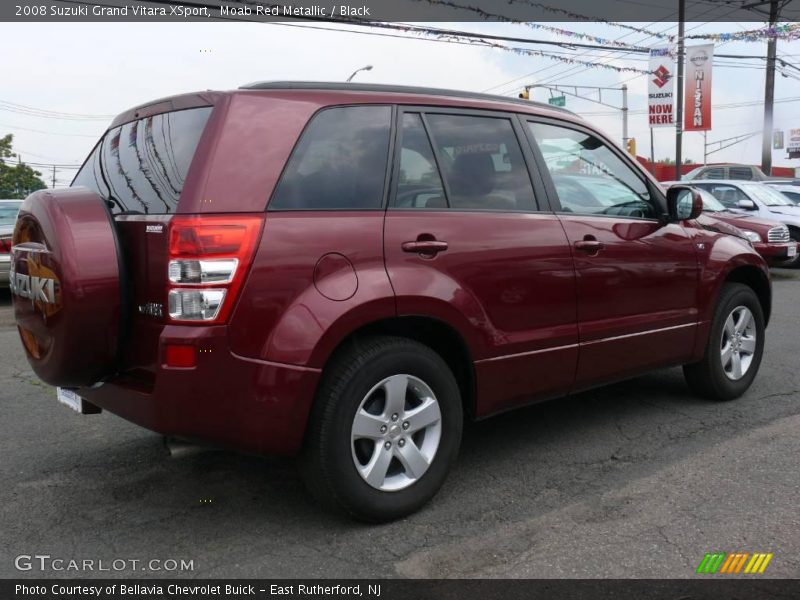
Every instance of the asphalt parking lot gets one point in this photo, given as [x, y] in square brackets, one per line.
[638, 479]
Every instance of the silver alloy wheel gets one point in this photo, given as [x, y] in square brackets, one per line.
[738, 343]
[396, 433]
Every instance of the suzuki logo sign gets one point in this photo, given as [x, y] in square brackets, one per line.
[37, 289]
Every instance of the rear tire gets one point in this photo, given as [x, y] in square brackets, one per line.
[734, 348]
[385, 429]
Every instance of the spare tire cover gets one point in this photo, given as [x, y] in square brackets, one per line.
[65, 285]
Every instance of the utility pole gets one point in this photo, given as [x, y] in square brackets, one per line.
[769, 93]
[625, 115]
[679, 90]
[54, 176]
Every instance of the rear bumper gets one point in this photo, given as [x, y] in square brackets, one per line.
[226, 400]
[775, 254]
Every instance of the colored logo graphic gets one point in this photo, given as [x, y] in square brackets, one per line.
[662, 76]
[734, 563]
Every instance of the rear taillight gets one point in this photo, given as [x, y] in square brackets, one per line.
[209, 257]
[5, 245]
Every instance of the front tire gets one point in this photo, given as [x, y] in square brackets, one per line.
[734, 348]
[385, 429]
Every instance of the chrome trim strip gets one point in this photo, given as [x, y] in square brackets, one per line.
[531, 353]
[567, 346]
[629, 335]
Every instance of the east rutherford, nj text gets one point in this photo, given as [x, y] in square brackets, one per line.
[287, 10]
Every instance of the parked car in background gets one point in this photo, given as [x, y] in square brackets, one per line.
[757, 199]
[345, 272]
[726, 171]
[788, 188]
[8, 217]
[769, 237]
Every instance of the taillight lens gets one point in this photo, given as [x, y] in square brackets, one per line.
[5, 245]
[209, 251]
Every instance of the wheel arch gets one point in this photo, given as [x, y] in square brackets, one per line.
[755, 278]
[438, 335]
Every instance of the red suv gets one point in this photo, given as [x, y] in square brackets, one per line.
[346, 272]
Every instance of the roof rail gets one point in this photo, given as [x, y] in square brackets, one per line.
[399, 89]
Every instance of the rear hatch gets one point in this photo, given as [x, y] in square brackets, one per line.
[140, 168]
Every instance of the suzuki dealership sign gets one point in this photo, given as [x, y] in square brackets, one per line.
[660, 87]
[698, 88]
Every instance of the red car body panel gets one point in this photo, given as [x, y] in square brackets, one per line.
[496, 267]
[538, 318]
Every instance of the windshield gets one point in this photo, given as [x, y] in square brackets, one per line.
[767, 195]
[8, 212]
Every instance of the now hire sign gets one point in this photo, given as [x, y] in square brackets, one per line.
[698, 88]
[660, 87]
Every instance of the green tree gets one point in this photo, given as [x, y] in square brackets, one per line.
[17, 180]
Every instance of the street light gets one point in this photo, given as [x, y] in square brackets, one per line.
[367, 68]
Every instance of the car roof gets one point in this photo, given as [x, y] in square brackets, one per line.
[324, 93]
[396, 89]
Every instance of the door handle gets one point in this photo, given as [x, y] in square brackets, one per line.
[430, 247]
[589, 246]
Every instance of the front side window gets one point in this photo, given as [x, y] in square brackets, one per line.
[339, 163]
[141, 166]
[728, 195]
[482, 163]
[589, 177]
[740, 173]
[713, 173]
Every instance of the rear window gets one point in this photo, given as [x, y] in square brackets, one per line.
[141, 166]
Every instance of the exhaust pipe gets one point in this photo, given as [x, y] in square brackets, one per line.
[182, 449]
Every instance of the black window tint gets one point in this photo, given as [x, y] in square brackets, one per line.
[482, 163]
[589, 177]
[143, 164]
[715, 173]
[339, 163]
[740, 173]
[419, 183]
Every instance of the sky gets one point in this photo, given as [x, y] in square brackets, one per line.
[101, 69]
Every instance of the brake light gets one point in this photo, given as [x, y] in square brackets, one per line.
[5, 245]
[209, 257]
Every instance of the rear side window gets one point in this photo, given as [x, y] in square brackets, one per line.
[141, 166]
[339, 163]
[482, 163]
[419, 183]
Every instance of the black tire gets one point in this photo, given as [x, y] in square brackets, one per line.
[707, 377]
[327, 462]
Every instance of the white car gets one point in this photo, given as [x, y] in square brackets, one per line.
[757, 199]
[787, 188]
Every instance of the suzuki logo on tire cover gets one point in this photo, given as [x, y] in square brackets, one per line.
[41, 289]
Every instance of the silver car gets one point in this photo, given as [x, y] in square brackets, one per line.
[8, 217]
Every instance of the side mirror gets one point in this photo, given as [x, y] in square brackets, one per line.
[683, 203]
[746, 204]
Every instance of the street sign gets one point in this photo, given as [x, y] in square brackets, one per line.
[558, 100]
